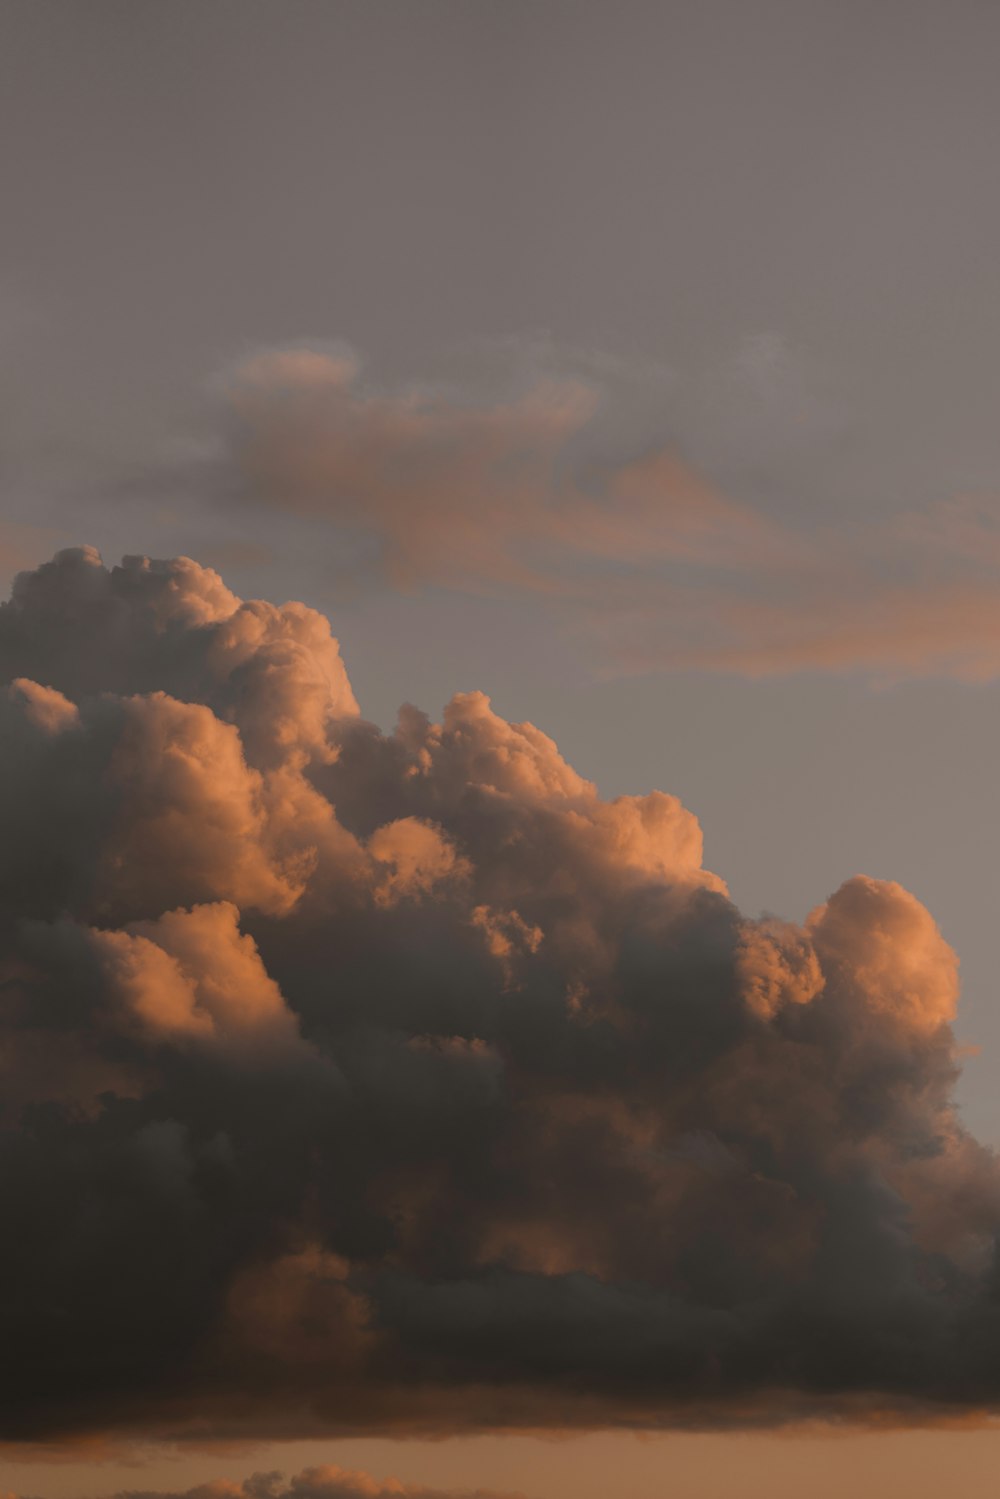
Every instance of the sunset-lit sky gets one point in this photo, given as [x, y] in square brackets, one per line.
[633, 364]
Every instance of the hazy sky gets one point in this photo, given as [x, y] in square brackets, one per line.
[753, 242]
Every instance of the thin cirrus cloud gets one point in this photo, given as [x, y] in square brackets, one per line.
[362, 1082]
[534, 494]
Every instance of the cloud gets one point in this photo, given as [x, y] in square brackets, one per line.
[665, 538]
[853, 622]
[327, 1482]
[174, 627]
[473, 495]
[397, 1082]
[192, 975]
[722, 518]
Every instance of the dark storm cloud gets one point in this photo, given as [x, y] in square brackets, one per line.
[398, 1082]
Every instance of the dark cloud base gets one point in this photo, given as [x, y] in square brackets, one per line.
[363, 1082]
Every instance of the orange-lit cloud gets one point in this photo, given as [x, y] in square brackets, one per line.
[472, 495]
[328, 1482]
[634, 550]
[357, 1081]
[835, 619]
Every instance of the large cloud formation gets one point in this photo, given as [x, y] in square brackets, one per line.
[398, 1082]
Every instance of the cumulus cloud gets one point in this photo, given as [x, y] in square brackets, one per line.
[399, 1082]
[174, 627]
[192, 974]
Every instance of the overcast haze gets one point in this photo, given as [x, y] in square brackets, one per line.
[632, 363]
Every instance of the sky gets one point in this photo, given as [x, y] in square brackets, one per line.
[633, 365]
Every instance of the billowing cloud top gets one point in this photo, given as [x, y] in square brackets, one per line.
[361, 1081]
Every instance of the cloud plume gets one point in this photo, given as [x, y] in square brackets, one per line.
[398, 1082]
